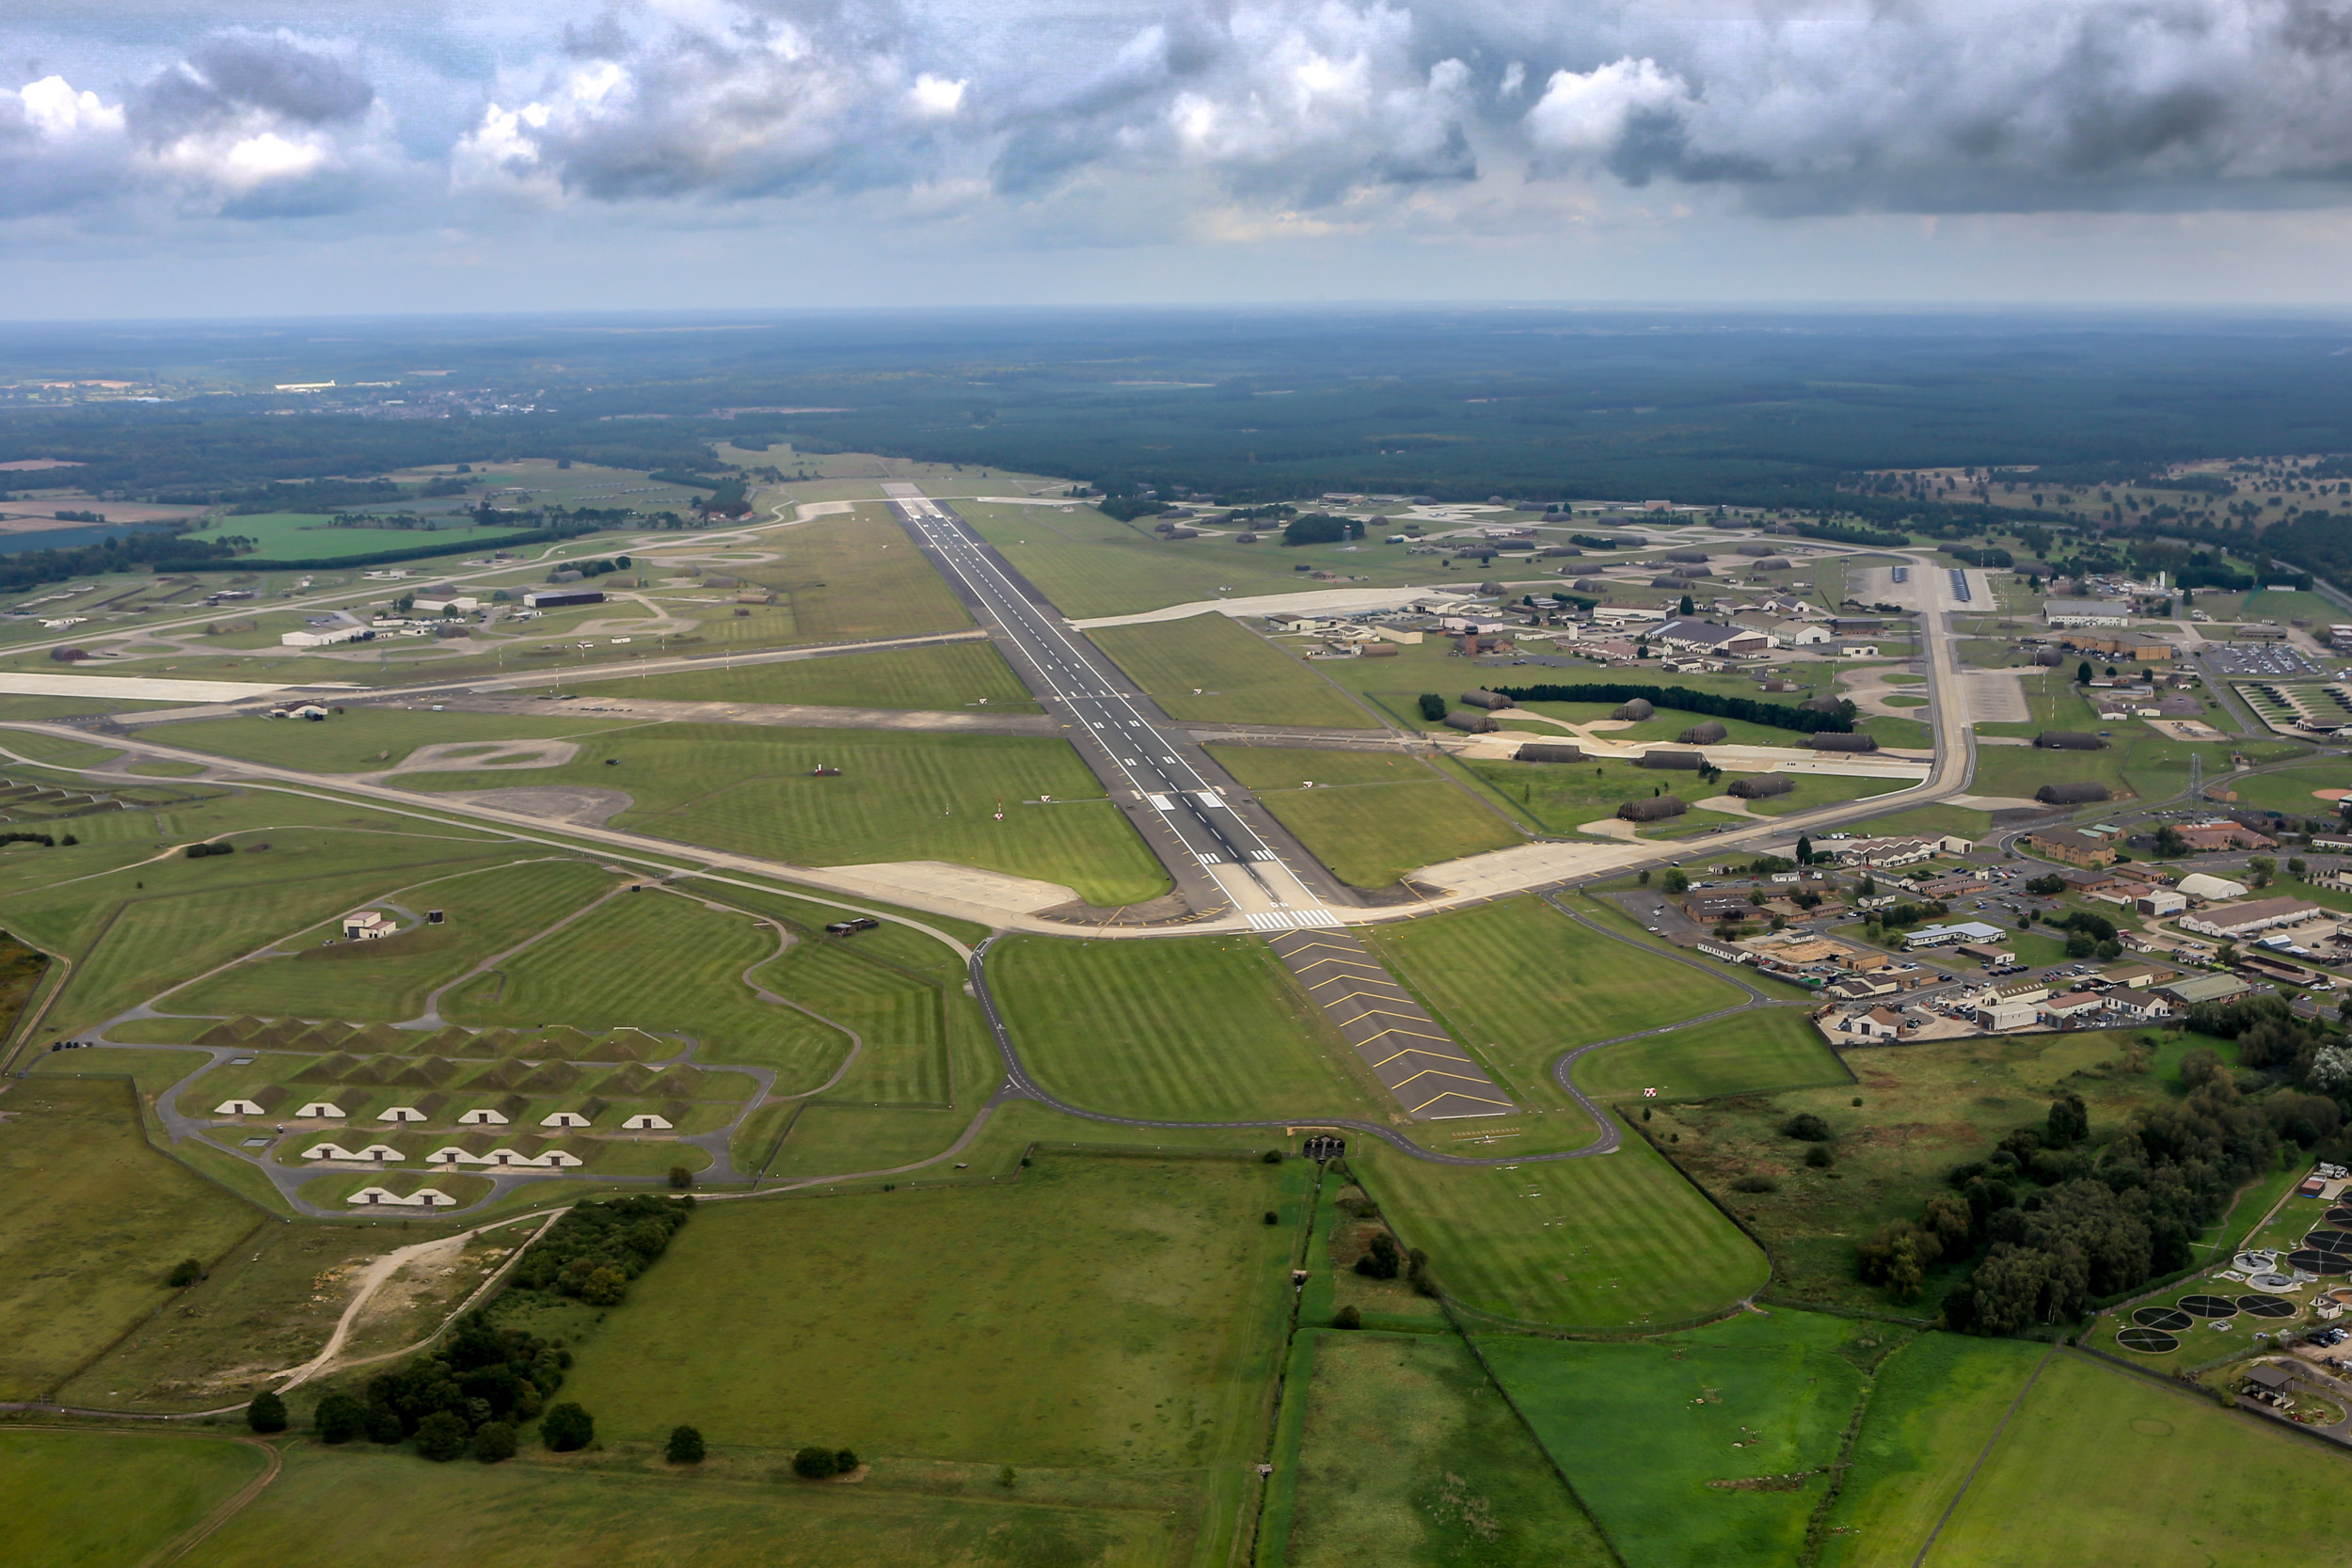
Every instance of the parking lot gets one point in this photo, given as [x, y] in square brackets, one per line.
[2274, 660]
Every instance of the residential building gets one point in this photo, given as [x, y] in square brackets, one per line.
[1947, 936]
[2074, 848]
[2234, 922]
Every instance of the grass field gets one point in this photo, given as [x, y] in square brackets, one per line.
[1211, 667]
[1117, 1328]
[1566, 985]
[1090, 564]
[1650, 1432]
[2290, 789]
[950, 675]
[487, 912]
[2108, 1468]
[1760, 1049]
[830, 1139]
[898, 1016]
[267, 1305]
[1926, 1107]
[95, 1220]
[1562, 796]
[1935, 1404]
[95, 1500]
[1615, 1241]
[1371, 818]
[365, 739]
[539, 1513]
[849, 578]
[664, 963]
[1187, 1028]
[1411, 1457]
[305, 536]
[896, 798]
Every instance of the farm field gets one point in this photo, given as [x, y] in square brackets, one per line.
[1568, 984]
[593, 976]
[1926, 1107]
[1453, 1475]
[95, 1221]
[1617, 1241]
[1185, 1028]
[1758, 1050]
[487, 913]
[950, 676]
[1212, 668]
[896, 798]
[1371, 832]
[1650, 1432]
[89, 1499]
[544, 1511]
[1935, 1404]
[2108, 1467]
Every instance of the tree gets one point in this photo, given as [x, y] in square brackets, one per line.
[1676, 882]
[685, 1447]
[1686, 607]
[1644, 878]
[2298, 867]
[567, 1427]
[267, 1413]
[1805, 850]
[1383, 1260]
[816, 1464]
[604, 1287]
[1806, 1128]
[183, 1274]
[680, 1178]
[1347, 1317]
[441, 1437]
[383, 1425]
[1432, 707]
[844, 1460]
[2069, 1122]
[494, 1443]
[2080, 947]
[2110, 948]
[2046, 887]
[2083, 674]
[340, 1419]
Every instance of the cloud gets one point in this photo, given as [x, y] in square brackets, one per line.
[245, 124]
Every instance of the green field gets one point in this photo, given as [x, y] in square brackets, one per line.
[366, 739]
[487, 913]
[2290, 789]
[752, 790]
[1411, 1457]
[96, 1499]
[1372, 819]
[1651, 1432]
[1926, 1106]
[602, 972]
[305, 536]
[949, 675]
[2099, 1466]
[1211, 667]
[547, 1513]
[1567, 985]
[95, 1220]
[1184, 1028]
[1756, 1050]
[1935, 1404]
[1562, 796]
[1615, 1241]
[847, 578]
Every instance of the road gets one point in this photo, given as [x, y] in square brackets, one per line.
[1197, 811]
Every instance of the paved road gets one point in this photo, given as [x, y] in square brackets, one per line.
[1197, 811]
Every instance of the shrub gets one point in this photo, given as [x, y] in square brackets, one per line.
[494, 1443]
[1272, 1157]
[1432, 707]
[1273, 1218]
[441, 1437]
[1347, 1317]
[680, 1178]
[844, 1460]
[267, 1413]
[340, 1419]
[626, 1234]
[1819, 1157]
[183, 1274]
[1383, 1260]
[567, 1427]
[383, 1424]
[685, 1447]
[1755, 1184]
[816, 1464]
[1806, 1128]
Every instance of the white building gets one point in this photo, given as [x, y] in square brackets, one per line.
[1944, 935]
[323, 637]
[646, 1122]
[483, 1117]
[2231, 921]
[369, 926]
[2212, 889]
[2087, 612]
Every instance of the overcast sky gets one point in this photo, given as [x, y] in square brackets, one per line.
[214, 157]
